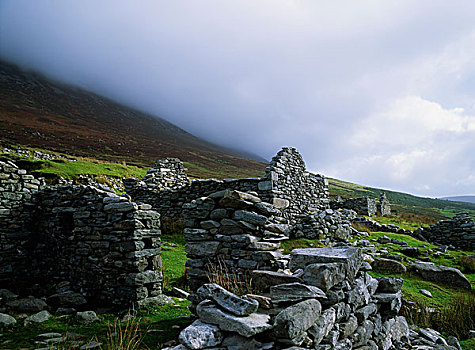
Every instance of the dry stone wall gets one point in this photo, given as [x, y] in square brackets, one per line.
[16, 191]
[231, 230]
[286, 184]
[99, 244]
[384, 207]
[362, 205]
[458, 231]
[326, 225]
[286, 178]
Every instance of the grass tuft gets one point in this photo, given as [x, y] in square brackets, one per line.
[126, 336]
[239, 283]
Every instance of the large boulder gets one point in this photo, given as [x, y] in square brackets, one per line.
[388, 265]
[351, 258]
[6, 320]
[295, 320]
[27, 305]
[442, 274]
[39, 317]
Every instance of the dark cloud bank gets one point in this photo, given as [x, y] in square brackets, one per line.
[379, 93]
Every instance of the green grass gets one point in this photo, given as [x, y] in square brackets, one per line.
[468, 344]
[399, 221]
[71, 170]
[158, 324]
[291, 244]
[173, 261]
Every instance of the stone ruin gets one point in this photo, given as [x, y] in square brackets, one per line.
[363, 205]
[384, 207]
[76, 239]
[458, 231]
[285, 184]
[69, 239]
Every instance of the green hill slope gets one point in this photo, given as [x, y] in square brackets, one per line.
[417, 209]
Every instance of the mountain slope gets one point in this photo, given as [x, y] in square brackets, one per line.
[468, 199]
[38, 112]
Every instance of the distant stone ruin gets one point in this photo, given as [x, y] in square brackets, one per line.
[364, 205]
[384, 207]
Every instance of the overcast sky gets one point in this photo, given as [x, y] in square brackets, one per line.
[376, 92]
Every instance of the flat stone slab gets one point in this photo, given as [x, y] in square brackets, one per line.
[239, 306]
[295, 292]
[350, 257]
[263, 280]
[246, 326]
[442, 274]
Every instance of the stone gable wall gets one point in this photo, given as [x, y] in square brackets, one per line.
[384, 207]
[286, 184]
[100, 244]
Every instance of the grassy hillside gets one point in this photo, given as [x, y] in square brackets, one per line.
[416, 209]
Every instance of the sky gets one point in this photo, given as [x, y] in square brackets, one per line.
[379, 93]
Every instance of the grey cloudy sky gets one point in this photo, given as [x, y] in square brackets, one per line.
[375, 92]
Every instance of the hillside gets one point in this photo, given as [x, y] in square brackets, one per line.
[417, 209]
[40, 113]
[468, 199]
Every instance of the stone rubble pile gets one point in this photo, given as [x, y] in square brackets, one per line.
[458, 231]
[331, 304]
[35, 155]
[232, 228]
[326, 225]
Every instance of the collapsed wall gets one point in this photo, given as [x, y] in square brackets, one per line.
[458, 231]
[330, 303]
[286, 184]
[99, 244]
